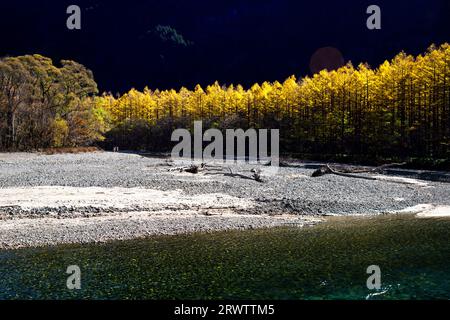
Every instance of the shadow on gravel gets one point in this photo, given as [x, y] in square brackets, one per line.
[436, 176]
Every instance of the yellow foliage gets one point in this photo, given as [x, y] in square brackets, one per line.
[60, 132]
[359, 102]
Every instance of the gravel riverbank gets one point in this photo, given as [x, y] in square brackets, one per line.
[92, 197]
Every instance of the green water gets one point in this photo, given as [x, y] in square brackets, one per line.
[328, 261]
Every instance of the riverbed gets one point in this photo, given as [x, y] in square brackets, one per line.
[48, 200]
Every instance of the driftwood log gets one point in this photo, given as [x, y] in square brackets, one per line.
[349, 172]
[256, 174]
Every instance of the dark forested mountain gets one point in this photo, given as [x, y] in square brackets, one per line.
[174, 43]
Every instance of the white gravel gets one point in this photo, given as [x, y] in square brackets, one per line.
[435, 212]
[60, 200]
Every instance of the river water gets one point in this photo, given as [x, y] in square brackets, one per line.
[327, 261]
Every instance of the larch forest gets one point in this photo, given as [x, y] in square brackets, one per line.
[399, 109]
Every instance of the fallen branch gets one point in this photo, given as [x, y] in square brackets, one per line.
[330, 170]
[194, 169]
[373, 170]
[256, 176]
[217, 170]
[327, 169]
[347, 175]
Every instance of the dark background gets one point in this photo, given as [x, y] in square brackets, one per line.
[229, 41]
